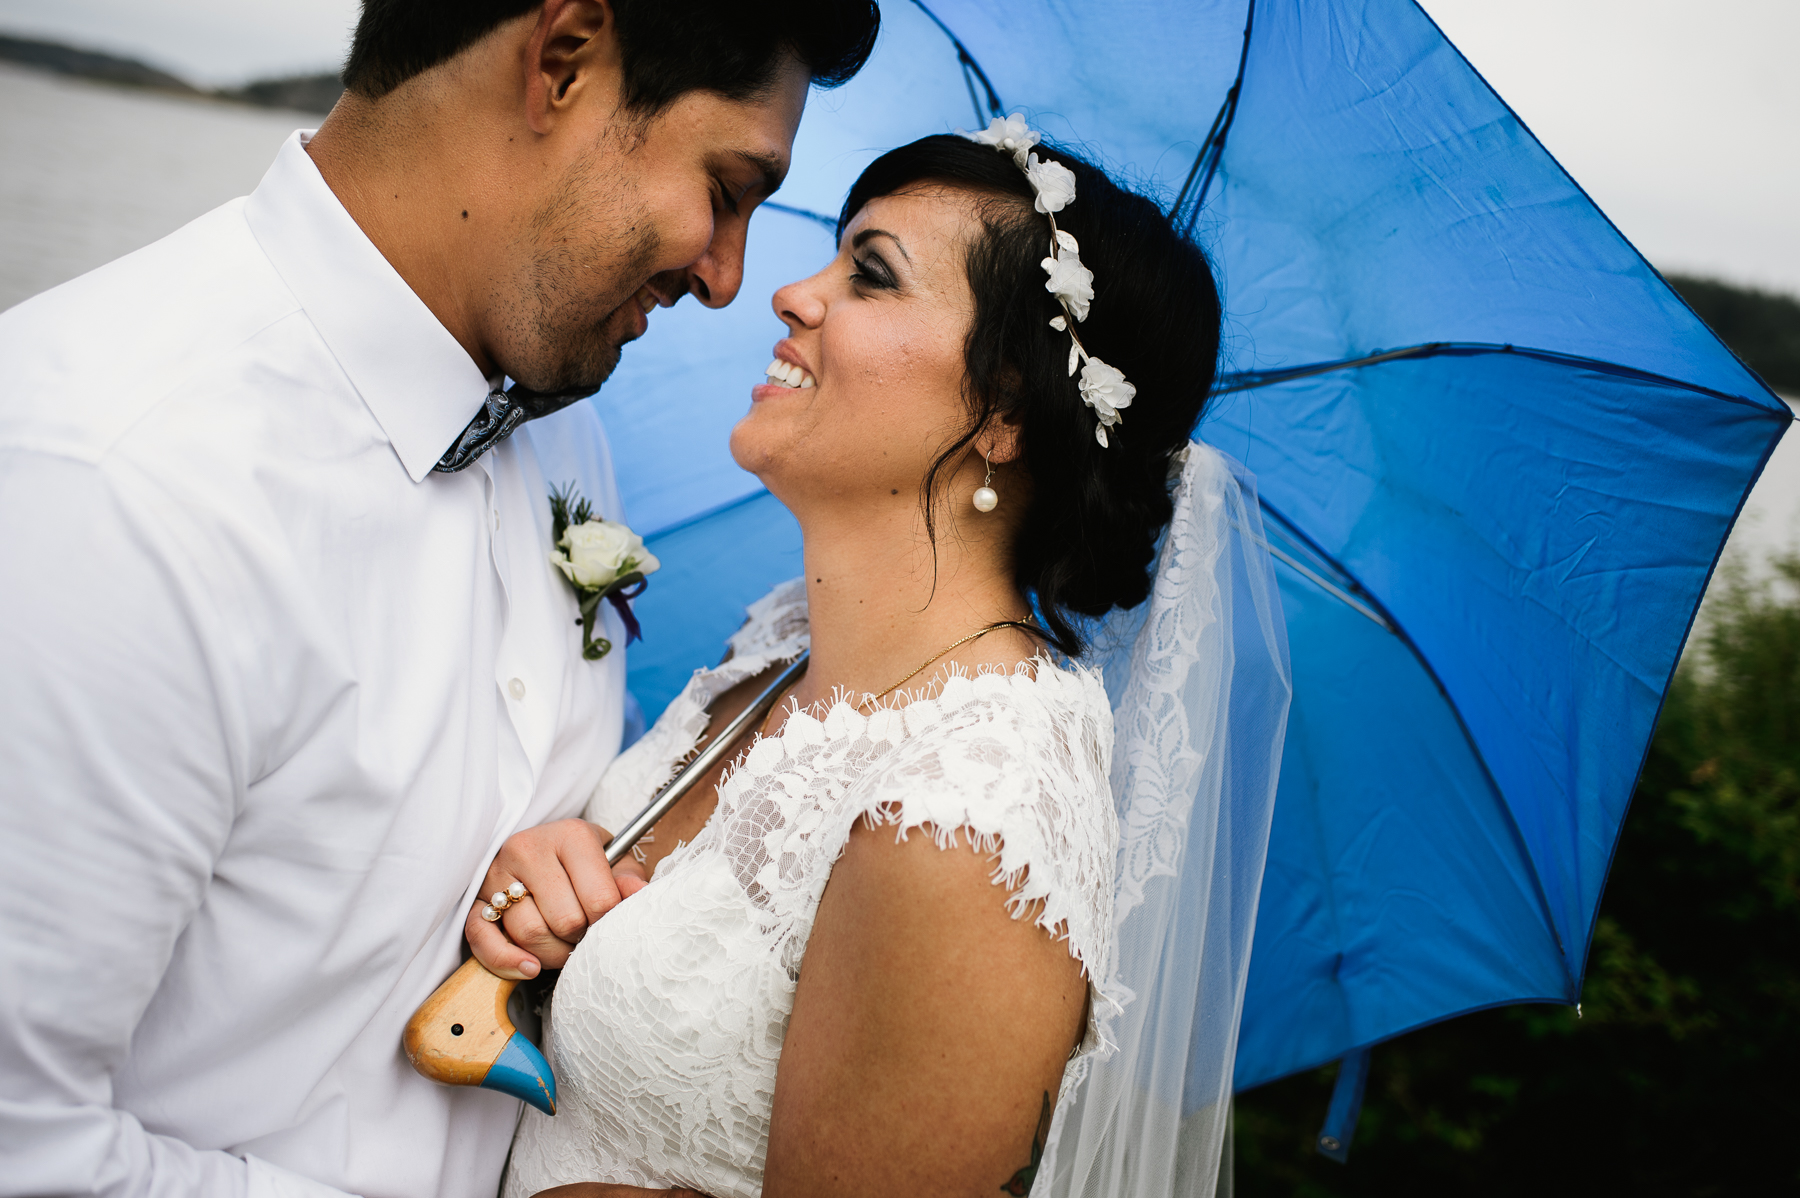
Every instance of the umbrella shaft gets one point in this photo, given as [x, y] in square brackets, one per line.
[702, 764]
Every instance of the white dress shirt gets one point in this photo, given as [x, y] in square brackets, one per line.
[272, 693]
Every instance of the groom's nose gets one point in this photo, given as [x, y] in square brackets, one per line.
[715, 277]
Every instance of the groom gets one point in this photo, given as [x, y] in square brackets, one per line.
[283, 660]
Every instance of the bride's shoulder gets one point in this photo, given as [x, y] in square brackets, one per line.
[997, 747]
[1019, 760]
[1041, 708]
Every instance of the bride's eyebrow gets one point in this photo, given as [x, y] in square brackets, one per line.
[857, 242]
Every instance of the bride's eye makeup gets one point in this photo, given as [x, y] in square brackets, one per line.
[871, 271]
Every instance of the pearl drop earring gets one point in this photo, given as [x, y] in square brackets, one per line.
[986, 500]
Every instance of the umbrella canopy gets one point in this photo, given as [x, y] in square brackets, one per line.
[1498, 460]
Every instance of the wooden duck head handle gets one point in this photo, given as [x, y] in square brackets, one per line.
[461, 1036]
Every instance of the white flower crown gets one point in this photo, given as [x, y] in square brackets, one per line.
[1103, 387]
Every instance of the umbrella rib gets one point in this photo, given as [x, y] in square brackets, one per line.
[1319, 580]
[1213, 148]
[1394, 626]
[804, 214]
[1205, 146]
[995, 107]
[1249, 380]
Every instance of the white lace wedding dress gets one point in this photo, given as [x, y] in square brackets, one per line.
[668, 1022]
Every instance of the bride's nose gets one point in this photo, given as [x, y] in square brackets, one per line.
[799, 304]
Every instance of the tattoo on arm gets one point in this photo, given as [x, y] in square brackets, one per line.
[1020, 1184]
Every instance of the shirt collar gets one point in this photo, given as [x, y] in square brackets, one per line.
[417, 380]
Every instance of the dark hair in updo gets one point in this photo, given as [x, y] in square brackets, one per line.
[1087, 541]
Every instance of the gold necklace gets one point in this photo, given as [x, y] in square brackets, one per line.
[1024, 625]
[1027, 625]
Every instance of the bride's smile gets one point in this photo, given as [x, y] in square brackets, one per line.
[862, 430]
[867, 388]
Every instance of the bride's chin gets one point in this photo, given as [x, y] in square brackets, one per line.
[776, 469]
[753, 449]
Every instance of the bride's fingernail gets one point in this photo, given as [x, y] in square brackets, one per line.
[529, 968]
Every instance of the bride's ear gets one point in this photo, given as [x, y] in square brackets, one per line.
[1001, 440]
[574, 49]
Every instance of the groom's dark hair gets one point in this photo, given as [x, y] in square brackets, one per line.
[670, 47]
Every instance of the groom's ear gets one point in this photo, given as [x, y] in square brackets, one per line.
[573, 50]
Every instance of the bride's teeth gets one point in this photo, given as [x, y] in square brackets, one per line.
[788, 374]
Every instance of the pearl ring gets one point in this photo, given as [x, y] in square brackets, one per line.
[502, 900]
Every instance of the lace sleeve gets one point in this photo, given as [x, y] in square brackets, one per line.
[1022, 765]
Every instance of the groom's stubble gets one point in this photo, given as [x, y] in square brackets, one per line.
[578, 306]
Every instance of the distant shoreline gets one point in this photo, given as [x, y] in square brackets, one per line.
[304, 93]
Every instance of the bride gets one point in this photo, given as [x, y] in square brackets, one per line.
[881, 949]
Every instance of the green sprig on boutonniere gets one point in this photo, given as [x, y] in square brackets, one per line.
[602, 559]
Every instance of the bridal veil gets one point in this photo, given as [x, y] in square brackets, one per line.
[1199, 680]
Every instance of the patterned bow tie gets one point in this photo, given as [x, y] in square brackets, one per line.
[502, 412]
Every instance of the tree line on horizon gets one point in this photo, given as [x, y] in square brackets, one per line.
[1761, 327]
[314, 92]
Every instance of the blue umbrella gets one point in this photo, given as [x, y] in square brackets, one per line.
[1498, 459]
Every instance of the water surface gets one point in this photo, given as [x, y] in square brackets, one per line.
[89, 172]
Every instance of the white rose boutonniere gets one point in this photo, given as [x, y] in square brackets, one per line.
[602, 559]
[597, 553]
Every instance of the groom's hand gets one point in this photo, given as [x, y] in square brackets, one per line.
[563, 866]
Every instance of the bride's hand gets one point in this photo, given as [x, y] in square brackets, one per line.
[563, 866]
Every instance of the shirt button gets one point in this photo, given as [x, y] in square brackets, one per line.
[516, 688]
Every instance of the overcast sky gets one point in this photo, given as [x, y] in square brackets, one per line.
[1680, 117]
